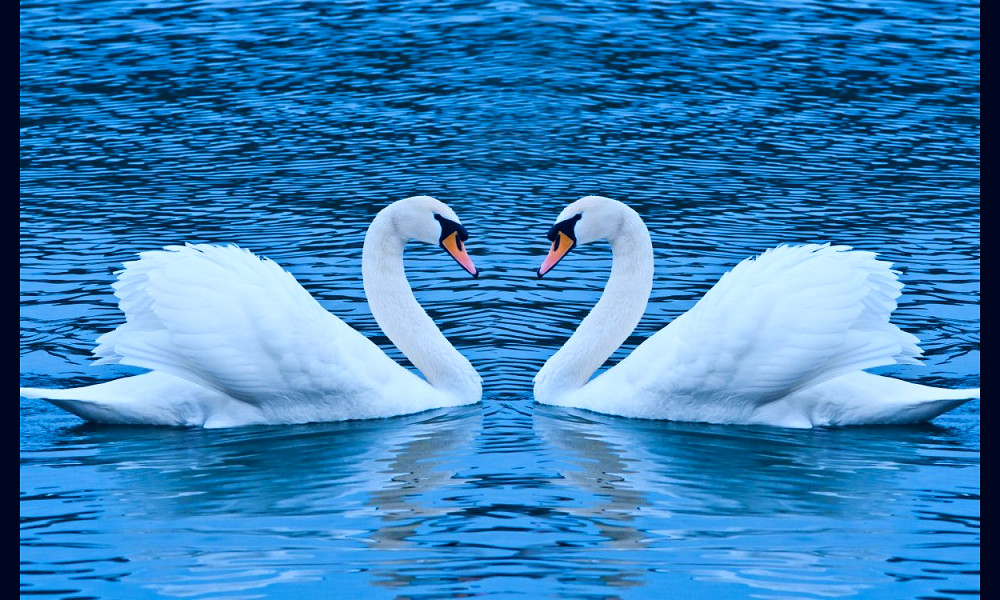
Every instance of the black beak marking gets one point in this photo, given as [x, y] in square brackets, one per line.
[449, 227]
[566, 226]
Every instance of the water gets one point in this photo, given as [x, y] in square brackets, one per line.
[284, 127]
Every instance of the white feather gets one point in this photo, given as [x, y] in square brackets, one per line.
[781, 339]
[233, 339]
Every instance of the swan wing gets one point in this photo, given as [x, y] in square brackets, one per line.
[223, 318]
[789, 319]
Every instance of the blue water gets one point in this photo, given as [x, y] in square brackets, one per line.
[284, 127]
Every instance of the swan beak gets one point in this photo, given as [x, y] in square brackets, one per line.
[562, 244]
[456, 249]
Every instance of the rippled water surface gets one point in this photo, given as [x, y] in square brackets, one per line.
[284, 127]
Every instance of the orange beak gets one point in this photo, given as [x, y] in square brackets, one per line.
[560, 247]
[456, 249]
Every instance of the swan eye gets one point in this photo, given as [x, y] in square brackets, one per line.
[566, 227]
[449, 227]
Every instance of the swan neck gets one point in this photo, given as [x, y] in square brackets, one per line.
[612, 319]
[403, 320]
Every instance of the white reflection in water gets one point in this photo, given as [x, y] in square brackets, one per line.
[792, 512]
[276, 491]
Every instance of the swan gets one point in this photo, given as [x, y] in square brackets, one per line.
[232, 339]
[782, 339]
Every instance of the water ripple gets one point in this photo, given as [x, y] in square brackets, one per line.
[284, 126]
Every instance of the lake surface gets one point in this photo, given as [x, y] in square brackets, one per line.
[285, 126]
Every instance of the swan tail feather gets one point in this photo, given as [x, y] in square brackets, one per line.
[149, 399]
[868, 399]
[47, 394]
[99, 403]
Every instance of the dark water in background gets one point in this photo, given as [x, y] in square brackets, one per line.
[284, 127]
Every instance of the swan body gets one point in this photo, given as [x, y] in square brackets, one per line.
[782, 339]
[231, 339]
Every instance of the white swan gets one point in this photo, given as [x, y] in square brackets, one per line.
[780, 340]
[234, 340]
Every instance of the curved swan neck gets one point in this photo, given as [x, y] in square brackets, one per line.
[611, 320]
[401, 317]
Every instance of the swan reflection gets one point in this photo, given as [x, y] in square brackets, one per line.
[445, 501]
[295, 495]
[746, 505]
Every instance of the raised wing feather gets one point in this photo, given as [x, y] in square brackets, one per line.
[221, 317]
[791, 318]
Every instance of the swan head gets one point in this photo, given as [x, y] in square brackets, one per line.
[431, 221]
[587, 220]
